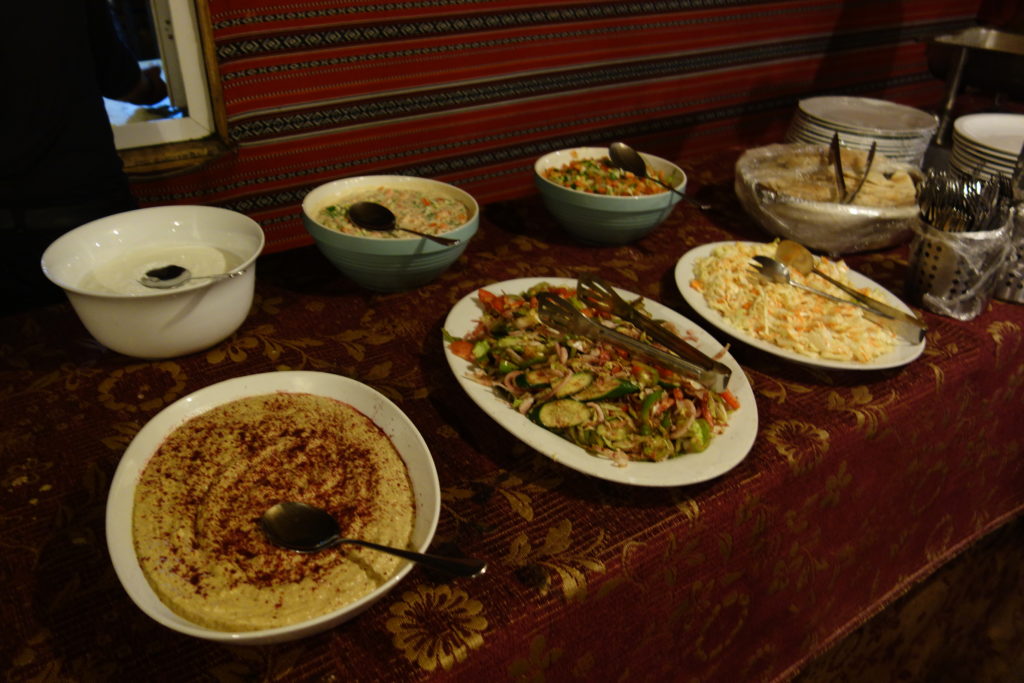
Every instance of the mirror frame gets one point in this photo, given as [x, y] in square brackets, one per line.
[176, 158]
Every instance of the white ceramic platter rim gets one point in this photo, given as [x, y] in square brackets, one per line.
[859, 143]
[965, 145]
[810, 124]
[968, 155]
[998, 132]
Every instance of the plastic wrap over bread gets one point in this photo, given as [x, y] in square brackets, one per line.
[791, 190]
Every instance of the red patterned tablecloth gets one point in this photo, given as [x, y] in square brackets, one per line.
[859, 485]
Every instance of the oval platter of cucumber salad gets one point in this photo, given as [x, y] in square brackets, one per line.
[592, 407]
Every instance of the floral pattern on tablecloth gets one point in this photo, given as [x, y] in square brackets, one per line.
[858, 487]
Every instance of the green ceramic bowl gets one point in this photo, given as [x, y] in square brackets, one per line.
[387, 264]
[605, 219]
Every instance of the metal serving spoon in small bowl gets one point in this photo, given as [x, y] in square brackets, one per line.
[628, 159]
[171, 276]
[309, 529]
[374, 216]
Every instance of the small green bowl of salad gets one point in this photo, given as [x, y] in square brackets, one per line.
[600, 204]
[398, 260]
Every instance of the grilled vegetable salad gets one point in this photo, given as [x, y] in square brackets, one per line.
[589, 392]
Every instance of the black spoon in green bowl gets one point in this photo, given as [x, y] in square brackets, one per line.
[374, 216]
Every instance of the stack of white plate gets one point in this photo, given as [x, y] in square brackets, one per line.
[987, 145]
[901, 133]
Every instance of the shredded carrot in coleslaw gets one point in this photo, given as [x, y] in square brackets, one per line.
[787, 316]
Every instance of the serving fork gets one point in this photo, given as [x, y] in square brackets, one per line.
[559, 313]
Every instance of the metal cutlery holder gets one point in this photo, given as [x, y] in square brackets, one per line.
[1010, 283]
[955, 273]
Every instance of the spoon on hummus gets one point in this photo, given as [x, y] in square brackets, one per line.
[309, 529]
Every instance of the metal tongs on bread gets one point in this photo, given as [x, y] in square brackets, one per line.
[684, 358]
[835, 156]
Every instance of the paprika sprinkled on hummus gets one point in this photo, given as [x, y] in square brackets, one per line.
[199, 499]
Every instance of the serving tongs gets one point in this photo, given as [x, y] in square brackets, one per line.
[560, 314]
[848, 199]
[836, 157]
[598, 294]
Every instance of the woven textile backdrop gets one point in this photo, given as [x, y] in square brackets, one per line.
[472, 91]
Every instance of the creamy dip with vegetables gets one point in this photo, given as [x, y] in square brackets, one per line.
[784, 315]
[432, 214]
[199, 499]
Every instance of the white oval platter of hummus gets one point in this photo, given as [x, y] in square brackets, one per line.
[182, 520]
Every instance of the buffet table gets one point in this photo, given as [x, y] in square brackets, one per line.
[859, 485]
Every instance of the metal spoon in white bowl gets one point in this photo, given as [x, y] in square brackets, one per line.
[309, 529]
[374, 216]
[628, 159]
[171, 276]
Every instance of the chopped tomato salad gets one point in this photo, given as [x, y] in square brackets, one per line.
[599, 176]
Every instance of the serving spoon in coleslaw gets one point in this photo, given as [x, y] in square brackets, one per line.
[800, 259]
[777, 271]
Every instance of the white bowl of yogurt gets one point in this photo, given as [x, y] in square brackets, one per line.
[98, 265]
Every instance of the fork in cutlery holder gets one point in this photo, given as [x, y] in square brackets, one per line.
[1010, 283]
[955, 273]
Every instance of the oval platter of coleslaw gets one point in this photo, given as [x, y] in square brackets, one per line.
[724, 452]
[785, 321]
